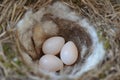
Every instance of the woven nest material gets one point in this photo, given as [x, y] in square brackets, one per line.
[103, 15]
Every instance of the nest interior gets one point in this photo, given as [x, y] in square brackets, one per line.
[32, 32]
[104, 15]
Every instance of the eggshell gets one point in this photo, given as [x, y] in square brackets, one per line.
[50, 63]
[53, 45]
[69, 53]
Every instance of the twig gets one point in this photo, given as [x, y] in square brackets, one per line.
[2, 34]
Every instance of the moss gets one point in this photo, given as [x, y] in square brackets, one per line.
[1, 58]
[9, 53]
[104, 40]
[13, 68]
[102, 75]
[106, 44]
[0, 28]
[8, 65]
[18, 62]
[101, 38]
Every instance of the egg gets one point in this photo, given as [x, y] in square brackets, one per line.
[50, 63]
[69, 53]
[53, 45]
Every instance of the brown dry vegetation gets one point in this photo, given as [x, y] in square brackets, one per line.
[103, 14]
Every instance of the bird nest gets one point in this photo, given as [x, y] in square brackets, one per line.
[92, 25]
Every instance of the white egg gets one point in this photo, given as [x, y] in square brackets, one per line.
[69, 53]
[53, 45]
[50, 63]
